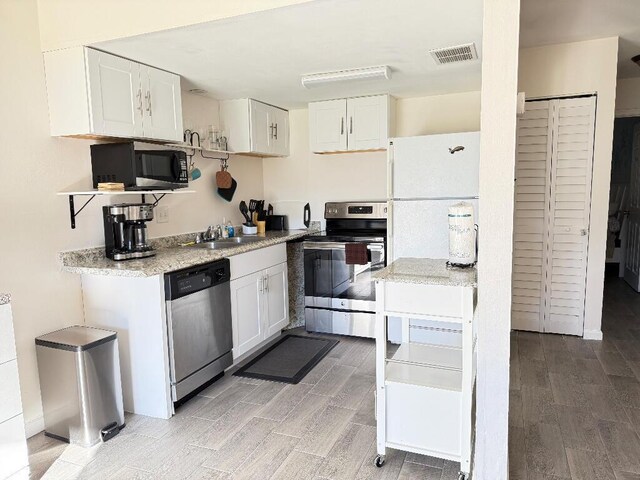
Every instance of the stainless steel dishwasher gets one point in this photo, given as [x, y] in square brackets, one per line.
[198, 302]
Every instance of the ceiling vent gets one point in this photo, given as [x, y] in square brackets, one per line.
[459, 53]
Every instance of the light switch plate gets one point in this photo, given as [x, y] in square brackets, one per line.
[162, 213]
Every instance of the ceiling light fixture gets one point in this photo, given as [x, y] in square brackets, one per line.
[636, 60]
[382, 72]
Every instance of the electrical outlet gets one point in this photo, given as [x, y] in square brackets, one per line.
[162, 213]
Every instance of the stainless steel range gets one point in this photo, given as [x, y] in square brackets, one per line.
[338, 263]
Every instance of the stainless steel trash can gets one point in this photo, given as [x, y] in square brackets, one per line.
[79, 371]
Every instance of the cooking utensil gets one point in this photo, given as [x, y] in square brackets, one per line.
[252, 206]
[245, 212]
[261, 211]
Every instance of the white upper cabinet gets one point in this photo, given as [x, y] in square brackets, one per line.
[279, 125]
[93, 93]
[162, 103]
[327, 129]
[368, 122]
[352, 124]
[261, 130]
[254, 127]
[115, 95]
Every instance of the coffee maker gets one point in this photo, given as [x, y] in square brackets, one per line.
[125, 232]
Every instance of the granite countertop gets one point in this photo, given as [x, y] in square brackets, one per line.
[5, 298]
[427, 271]
[168, 257]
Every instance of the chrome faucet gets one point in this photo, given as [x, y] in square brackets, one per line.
[211, 234]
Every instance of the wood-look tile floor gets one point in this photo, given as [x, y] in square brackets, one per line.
[240, 428]
[575, 404]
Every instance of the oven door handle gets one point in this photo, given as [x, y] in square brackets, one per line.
[378, 247]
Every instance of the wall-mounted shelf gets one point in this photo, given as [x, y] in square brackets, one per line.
[73, 213]
[201, 149]
[187, 146]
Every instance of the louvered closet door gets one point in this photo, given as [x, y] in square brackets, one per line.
[569, 217]
[533, 163]
[553, 198]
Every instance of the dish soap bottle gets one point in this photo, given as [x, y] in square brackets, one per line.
[225, 232]
[230, 230]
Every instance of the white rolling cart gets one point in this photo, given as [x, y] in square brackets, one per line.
[425, 392]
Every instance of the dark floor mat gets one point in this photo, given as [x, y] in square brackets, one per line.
[288, 360]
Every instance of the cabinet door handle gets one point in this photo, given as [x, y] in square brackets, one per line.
[342, 126]
[139, 95]
[271, 130]
[350, 124]
[261, 287]
[275, 130]
[266, 283]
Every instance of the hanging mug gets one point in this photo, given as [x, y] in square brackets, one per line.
[194, 171]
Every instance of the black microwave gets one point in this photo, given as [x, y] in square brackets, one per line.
[139, 166]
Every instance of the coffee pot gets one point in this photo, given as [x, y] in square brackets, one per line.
[125, 230]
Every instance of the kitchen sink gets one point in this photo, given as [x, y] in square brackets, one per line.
[227, 242]
[240, 240]
[216, 245]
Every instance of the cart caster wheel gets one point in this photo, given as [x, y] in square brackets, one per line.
[379, 461]
[462, 476]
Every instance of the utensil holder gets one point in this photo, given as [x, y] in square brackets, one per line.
[249, 229]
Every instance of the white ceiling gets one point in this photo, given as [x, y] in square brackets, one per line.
[262, 55]
[545, 22]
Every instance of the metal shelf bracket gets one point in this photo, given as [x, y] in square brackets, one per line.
[72, 211]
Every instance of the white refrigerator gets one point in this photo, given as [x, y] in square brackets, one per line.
[426, 175]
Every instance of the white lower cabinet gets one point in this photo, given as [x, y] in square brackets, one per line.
[277, 299]
[13, 447]
[259, 297]
[247, 312]
[13, 443]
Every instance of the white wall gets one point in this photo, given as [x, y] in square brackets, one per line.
[628, 97]
[34, 222]
[573, 68]
[500, 36]
[97, 20]
[360, 176]
[457, 112]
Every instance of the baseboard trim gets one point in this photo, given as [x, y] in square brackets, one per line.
[34, 427]
[592, 335]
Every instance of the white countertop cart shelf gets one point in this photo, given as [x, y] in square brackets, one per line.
[424, 392]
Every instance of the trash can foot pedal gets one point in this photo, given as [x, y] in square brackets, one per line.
[110, 431]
